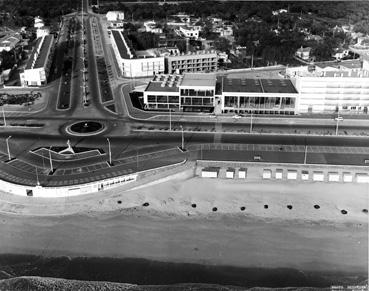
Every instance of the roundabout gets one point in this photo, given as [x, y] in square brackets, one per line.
[85, 128]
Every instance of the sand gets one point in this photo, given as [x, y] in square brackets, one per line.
[170, 229]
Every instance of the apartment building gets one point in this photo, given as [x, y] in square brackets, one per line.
[130, 63]
[201, 61]
[38, 65]
[344, 91]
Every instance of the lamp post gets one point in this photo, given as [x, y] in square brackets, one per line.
[182, 147]
[251, 123]
[109, 151]
[338, 119]
[4, 116]
[51, 161]
[170, 119]
[7, 146]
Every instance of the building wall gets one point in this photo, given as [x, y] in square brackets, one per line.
[38, 76]
[326, 94]
[192, 63]
[147, 67]
[274, 103]
[162, 100]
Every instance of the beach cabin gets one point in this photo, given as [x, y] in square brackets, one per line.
[279, 174]
[333, 177]
[318, 176]
[347, 177]
[304, 175]
[230, 173]
[291, 174]
[267, 174]
[242, 173]
[362, 178]
[210, 172]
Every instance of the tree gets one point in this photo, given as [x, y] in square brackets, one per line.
[222, 44]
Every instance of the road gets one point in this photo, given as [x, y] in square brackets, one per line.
[127, 142]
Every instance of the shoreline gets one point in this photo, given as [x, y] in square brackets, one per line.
[116, 224]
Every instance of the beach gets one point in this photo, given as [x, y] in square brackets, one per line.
[171, 228]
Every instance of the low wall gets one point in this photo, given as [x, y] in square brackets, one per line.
[75, 190]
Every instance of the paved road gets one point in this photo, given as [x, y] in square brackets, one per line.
[125, 141]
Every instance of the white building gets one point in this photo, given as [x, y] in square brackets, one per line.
[38, 65]
[38, 23]
[188, 92]
[190, 32]
[329, 89]
[40, 32]
[147, 63]
[151, 26]
[115, 15]
[303, 53]
[8, 43]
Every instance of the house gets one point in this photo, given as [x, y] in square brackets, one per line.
[151, 26]
[190, 31]
[38, 22]
[115, 15]
[9, 42]
[339, 54]
[303, 53]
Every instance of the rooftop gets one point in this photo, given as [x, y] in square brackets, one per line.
[120, 40]
[349, 64]
[40, 53]
[198, 79]
[164, 83]
[258, 85]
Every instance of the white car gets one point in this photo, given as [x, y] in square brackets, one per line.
[237, 116]
[339, 118]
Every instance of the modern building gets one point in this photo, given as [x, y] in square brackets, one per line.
[200, 61]
[338, 87]
[260, 96]
[132, 65]
[188, 92]
[38, 65]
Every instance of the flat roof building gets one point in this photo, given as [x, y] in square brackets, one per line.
[38, 65]
[132, 65]
[260, 96]
[201, 61]
[335, 87]
[188, 92]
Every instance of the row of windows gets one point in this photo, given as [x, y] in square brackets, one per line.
[192, 92]
[257, 102]
[162, 99]
[197, 101]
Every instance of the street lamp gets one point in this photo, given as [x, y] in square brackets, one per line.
[4, 116]
[338, 119]
[170, 119]
[7, 146]
[251, 123]
[109, 151]
[182, 147]
[51, 161]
